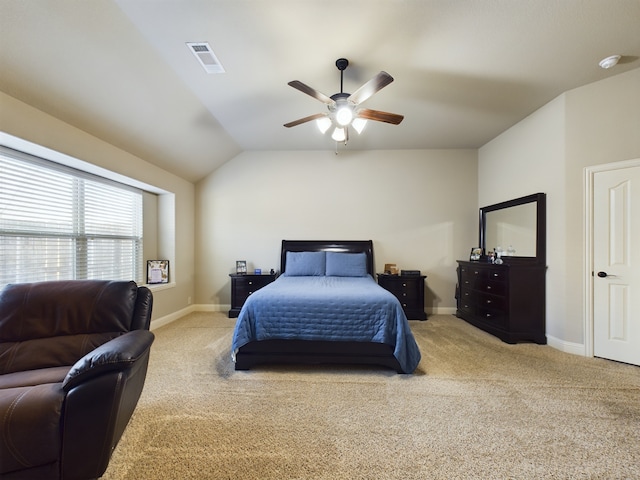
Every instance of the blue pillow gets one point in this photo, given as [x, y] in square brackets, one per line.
[346, 264]
[304, 264]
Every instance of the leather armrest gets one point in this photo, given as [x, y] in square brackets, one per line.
[117, 354]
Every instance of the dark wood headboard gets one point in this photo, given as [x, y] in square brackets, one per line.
[343, 246]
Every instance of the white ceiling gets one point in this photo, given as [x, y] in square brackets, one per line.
[465, 70]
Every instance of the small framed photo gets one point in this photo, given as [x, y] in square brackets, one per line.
[476, 254]
[157, 271]
[241, 266]
[390, 269]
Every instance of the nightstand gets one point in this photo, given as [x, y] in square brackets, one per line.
[243, 285]
[409, 289]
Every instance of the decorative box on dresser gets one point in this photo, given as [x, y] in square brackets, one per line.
[505, 300]
[409, 289]
[243, 285]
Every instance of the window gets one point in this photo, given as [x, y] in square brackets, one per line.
[57, 223]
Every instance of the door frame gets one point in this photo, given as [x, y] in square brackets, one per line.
[589, 176]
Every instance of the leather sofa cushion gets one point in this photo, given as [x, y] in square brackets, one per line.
[49, 352]
[30, 378]
[39, 407]
[49, 309]
[116, 355]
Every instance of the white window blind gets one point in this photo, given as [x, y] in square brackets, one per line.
[57, 223]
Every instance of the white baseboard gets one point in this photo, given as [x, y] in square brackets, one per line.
[441, 311]
[209, 307]
[172, 317]
[567, 347]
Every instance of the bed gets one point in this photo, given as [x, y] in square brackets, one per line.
[324, 308]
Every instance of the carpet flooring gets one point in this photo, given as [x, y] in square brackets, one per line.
[476, 408]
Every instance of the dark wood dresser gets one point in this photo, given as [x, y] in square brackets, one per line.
[505, 300]
[243, 285]
[409, 289]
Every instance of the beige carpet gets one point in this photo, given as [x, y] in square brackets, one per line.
[476, 408]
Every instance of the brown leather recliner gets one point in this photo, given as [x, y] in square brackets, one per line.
[73, 361]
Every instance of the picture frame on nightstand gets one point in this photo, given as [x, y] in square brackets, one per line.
[390, 269]
[241, 266]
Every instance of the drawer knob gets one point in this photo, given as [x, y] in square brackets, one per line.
[488, 287]
[250, 283]
[488, 302]
[404, 284]
[488, 315]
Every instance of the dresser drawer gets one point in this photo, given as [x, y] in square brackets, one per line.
[495, 317]
[472, 277]
[495, 288]
[492, 303]
[497, 274]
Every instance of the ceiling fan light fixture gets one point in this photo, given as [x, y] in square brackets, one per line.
[358, 124]
[339, 134]
[323, 124]
[344, 115]
[343, 108]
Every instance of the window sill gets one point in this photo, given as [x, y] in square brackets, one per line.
[156, 287]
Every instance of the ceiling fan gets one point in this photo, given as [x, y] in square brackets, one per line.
[344, 108]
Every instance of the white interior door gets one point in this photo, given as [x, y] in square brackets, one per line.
[616, 261]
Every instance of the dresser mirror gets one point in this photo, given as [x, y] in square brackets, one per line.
[518, 227]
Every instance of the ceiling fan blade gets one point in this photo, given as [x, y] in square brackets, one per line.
[305, 120]
[298, 85]
[372, 86]
[379, 116]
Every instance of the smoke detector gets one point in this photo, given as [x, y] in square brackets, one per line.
[206, 57]
[609, 62]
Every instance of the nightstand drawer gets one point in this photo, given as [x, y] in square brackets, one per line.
[242, 286]
[409, 290]
[250, 285]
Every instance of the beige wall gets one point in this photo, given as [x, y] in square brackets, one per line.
[547, 152]
[419, 208]
[22, 121]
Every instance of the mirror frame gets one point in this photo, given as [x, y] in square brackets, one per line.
[540, 199]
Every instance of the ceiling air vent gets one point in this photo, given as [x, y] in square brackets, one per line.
[206, 57]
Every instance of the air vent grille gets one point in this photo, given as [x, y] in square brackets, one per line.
[202, 51]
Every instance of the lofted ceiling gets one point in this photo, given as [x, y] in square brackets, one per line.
[465, 70]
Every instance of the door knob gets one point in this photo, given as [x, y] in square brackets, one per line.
[602, 274]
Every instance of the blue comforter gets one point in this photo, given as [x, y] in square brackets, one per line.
[327, 308]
